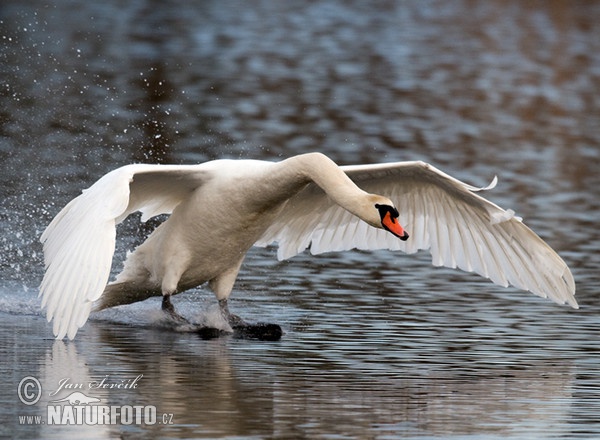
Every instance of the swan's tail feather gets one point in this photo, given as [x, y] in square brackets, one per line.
[117, 294]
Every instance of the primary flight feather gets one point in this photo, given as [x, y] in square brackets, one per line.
[220, 209]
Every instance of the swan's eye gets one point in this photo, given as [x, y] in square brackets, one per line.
[384, 209]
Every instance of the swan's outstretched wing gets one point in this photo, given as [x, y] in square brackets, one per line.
[80, 242]
[441, 214]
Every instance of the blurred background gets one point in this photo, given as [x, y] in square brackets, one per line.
[477, 88]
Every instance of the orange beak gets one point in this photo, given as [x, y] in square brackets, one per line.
[392, 225]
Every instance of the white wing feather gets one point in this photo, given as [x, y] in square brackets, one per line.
[80, 242]
[441, 214]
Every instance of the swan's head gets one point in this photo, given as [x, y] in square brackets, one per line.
[385, 215]
[389, 220]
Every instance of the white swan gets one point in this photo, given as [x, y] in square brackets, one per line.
[220, 209]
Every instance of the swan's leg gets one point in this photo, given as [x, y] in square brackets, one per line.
[222, 286]
[169, 287]
[169, 309]
[233, 320]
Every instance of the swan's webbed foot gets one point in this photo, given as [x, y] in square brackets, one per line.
[169, 309]
[243, 330]
[260, 331]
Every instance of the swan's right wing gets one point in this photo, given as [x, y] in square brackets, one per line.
[80, 242]
[442, 214]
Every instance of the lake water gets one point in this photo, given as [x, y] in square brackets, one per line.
[376, 345]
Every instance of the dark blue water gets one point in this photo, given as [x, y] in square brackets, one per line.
[377, 345]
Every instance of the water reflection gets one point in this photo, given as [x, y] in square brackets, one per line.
[63, 364]
[224, 388]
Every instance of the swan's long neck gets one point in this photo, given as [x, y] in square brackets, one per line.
[330, 178]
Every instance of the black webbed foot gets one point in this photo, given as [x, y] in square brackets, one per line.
[260, 331]
[169, 309]
[242, 329]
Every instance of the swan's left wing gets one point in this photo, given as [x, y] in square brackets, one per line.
[441, 214]
[80, 241]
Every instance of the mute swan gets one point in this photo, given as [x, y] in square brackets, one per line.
[220, 209]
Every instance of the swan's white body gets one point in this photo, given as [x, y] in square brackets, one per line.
[220, 209]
